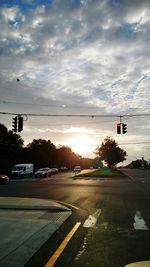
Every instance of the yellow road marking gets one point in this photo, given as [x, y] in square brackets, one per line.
[62, 246]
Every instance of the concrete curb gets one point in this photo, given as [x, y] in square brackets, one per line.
[30, 204]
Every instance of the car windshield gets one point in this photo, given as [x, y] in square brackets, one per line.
[74, 96]
[18, 168]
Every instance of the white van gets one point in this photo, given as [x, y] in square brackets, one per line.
[22, 170]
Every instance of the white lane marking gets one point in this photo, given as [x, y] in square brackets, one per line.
[92, 219]
[139, 222]
[82, 249]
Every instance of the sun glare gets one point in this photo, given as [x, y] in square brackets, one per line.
[81, 144]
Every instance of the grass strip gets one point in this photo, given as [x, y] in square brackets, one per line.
[103, 173]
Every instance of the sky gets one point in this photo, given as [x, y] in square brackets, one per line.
[77, 57]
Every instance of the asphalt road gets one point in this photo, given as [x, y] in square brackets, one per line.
[119, 210]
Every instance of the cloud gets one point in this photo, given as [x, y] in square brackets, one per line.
[78, 54]
[88, 56]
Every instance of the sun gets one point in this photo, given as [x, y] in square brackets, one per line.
[81, 144]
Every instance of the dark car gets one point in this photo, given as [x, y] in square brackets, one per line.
[4, 179]
[54, 170]
[43, 172]
[63, 168]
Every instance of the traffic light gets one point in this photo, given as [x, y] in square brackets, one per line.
[20, 123]
[118, 128]
[124, 128]
[14, 124]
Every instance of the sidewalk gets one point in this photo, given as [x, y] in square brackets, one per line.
[25, 225]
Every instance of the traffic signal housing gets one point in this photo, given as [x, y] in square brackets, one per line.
[118, 128]
[14, 124]
[20, 123]
[124, 128]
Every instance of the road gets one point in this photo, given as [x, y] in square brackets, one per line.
[121, 210]
[141, 176]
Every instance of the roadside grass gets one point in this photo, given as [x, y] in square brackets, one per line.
[105, 172]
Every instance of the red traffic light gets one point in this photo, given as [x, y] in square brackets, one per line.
[118, 128]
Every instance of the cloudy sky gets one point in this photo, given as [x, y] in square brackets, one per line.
[82, 57]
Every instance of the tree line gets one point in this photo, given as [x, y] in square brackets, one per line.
[43, 153]
[40, 152]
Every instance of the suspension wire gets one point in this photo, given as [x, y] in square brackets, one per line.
[75, 115]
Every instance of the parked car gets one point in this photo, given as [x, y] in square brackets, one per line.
[54, 170]
[63, 168]
[77, 169]
[43, 172]
[4, 179]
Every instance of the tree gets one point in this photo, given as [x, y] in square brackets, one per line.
[11, 146]
[66, 157]
[97, 162]
[10, 139]
[41, 152]
[110, 152]
[137, 164]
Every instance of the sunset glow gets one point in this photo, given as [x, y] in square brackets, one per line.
[81, 144]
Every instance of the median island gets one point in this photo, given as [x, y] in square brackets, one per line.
[104, 172]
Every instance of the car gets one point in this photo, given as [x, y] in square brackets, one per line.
[43, 172]
[63, 168]
[4, 179]
[54, 170]
[77, 169]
